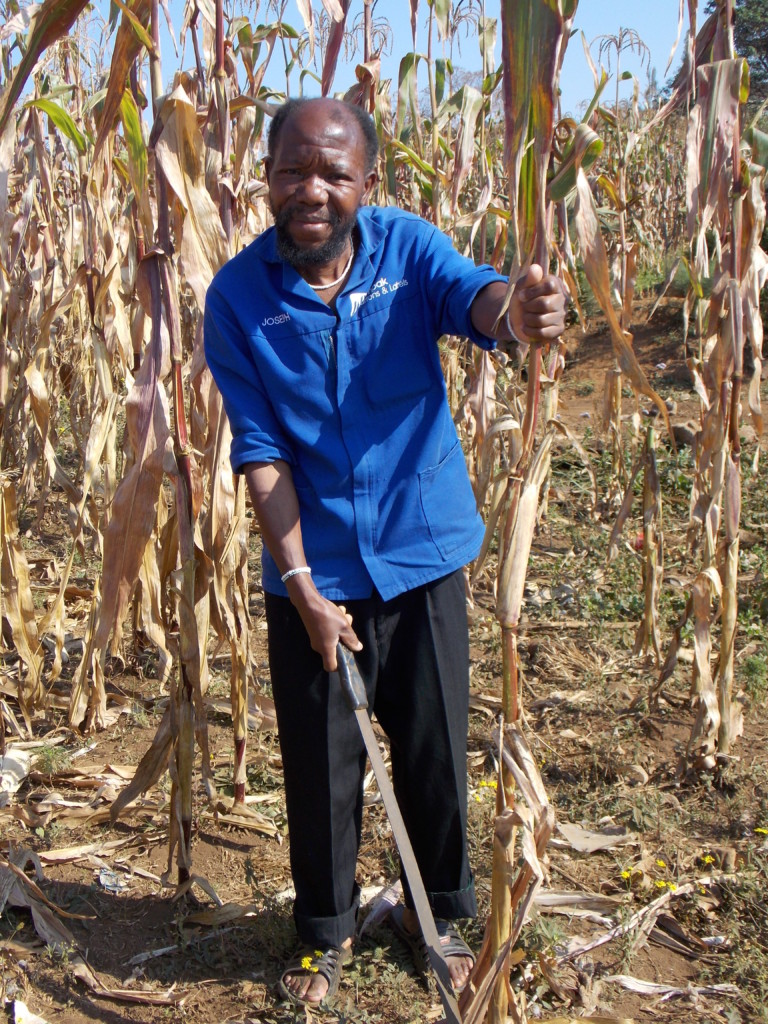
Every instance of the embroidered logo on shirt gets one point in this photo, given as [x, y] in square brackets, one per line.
[273, 321]
[382, 287]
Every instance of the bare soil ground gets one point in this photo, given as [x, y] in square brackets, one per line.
[608, 757]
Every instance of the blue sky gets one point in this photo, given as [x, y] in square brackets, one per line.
[655, 21]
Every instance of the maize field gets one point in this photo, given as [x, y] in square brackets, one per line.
[618, 780]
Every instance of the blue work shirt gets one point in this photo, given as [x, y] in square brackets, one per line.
[354, 400]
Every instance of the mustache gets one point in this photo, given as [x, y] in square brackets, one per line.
[285, 216]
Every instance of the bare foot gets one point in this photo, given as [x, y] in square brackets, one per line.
[309, 987]
[458, 966]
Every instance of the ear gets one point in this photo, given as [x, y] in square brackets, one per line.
[369, 184]
[267, 165]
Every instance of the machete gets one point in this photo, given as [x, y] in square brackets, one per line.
[354, 692]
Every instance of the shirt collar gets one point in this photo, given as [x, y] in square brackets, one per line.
[371, 234]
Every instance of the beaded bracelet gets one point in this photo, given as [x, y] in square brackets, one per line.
[295, 572]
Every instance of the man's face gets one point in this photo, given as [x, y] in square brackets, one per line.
[317, 182]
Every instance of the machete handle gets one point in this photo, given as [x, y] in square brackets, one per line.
[351, 681]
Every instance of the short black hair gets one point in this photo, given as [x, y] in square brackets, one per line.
[364, 123]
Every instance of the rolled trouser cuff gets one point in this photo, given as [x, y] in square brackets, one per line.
[449, 905]
[327, 932]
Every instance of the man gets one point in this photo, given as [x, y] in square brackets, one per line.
[322, 336]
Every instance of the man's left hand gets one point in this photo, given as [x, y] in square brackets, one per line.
[538, 306]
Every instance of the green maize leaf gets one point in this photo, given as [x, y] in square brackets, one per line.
[406, 92]
[414, 159]
[144, 37]
[744, 87]
[307, 73]
[533, 34]
[607, 115]
[134, 140]
[440, 68]
[122, 171]
[582, 149]
[444, 147]
[94, 101]
[450, 108]
[759, 142]
[62, 120]
[610, 189]
[282, 29]
[52, 21]
[490, 82]
[593, 102]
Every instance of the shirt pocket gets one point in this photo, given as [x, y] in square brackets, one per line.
[448, 502]
[404, 362]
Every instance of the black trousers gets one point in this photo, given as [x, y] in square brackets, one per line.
[415, 664]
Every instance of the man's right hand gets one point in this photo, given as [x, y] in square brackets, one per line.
[326, 623]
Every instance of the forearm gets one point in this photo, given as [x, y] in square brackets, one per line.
[486, 312]
[276, 505]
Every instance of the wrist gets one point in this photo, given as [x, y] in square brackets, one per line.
[513, 336]
[298, 571]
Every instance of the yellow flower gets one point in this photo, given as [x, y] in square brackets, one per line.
[626, 874]
[661, 864]
[709, 859]
[672, 887]
[660, 883]
[306, 963]
[762, 831]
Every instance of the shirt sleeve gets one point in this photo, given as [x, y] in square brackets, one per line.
[451, 282]
[256, 432]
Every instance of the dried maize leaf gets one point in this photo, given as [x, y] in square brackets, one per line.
[180, 152]
[709, 144]
[126, 49]
[152, 765]
[702, 744]
[17, 604]
[134, 507]
[102, 425]
[339, 9]
[595, 257]
[514, 566]
[464, 149]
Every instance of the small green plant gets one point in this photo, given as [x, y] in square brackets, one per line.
[50, 760]
[754, 675]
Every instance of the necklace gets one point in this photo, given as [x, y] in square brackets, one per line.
[345, 271]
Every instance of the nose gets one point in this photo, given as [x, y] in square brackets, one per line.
[312, 190]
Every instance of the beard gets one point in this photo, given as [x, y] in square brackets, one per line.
[331, 248]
